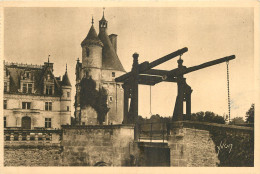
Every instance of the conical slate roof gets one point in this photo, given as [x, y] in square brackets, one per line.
[91, 38]
[110, 59]
[65, 80]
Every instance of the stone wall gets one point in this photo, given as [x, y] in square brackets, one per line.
[191, 147]
[210, 144]
[111, 145]
[32, 156]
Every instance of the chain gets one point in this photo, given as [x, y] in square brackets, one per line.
[228, 91]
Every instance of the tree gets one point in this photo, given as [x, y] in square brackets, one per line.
[88, 92]
[101, 105]
[250, 114]
[207, 116]
[237, 120]
[97, 99]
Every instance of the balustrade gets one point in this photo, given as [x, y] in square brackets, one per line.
[32, 136]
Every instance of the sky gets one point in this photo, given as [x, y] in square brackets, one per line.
[31, 34]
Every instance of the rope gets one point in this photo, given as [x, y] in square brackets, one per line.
[228, 91]
[150, 100]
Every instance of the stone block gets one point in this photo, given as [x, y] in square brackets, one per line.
[180, 146]
[173, 146]
[175, 155]
[174, 162]
[182, 163]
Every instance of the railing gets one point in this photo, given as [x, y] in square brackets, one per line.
[23, 65]
[32, 137]
[152, 132]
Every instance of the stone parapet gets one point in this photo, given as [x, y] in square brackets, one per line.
[210, 144]
[95, 144]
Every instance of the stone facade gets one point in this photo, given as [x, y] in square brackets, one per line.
[32, 156]
[34, 98]
[192, 148]
[101, 63]
[91, 145]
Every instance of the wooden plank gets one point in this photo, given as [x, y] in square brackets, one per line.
[146, 65]
[180, 71]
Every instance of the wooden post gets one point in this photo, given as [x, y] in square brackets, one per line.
[178, 109]
[126, 103]
[133, 83]
[135, 87]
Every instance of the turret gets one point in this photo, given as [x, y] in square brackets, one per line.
[92, 54]
[103, 24]
[65, 99]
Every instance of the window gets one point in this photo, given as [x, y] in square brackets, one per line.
[68, 108]
[48, 106]
[68, 94]
[24, 88]
[83, 123]
[47, 122]
[110, 98]
[27, 75]
[4, 122]
[5, 104]
[26, 105]
[48, 90]
[87, 52]
[48, 77]
[113, 74]
[5, 87]
[27, 88]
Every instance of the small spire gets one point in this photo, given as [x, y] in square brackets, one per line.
[49, 59]
[103, 12]
[78, 60]
[66, 67]
[92, 20]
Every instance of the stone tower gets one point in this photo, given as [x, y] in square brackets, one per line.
[100, 61]
[65, 105]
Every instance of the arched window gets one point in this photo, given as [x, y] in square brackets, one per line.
[101, 163]
[87, 52]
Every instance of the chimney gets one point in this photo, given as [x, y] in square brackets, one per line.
[113, 39]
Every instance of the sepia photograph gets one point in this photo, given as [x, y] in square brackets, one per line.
[114, 86]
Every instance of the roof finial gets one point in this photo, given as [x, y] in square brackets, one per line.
[103, 12]
[66, 67]
[92, 20]
[49, 59]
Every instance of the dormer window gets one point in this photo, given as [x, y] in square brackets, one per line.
[27, 75]
[6, 73]
[5, 86]
[113, 74]
[48, 77]
[27, 88]
[87, 52]
[48, 90]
